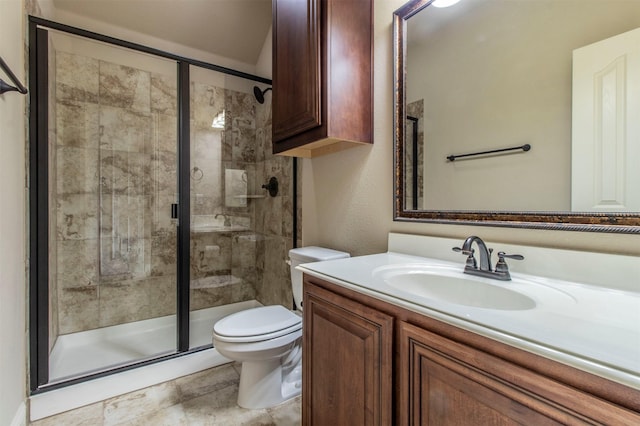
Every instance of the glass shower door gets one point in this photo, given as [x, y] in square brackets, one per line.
[223, 199]
[112, 179]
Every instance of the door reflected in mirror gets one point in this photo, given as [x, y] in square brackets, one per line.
[558, 76]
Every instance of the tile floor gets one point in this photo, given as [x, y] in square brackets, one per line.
[201, 399]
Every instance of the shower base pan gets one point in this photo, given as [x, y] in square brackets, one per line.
[98, 350]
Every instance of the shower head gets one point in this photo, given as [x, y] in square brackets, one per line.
[259, 94]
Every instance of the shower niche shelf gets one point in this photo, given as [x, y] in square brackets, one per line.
[219, 229]
[322, 76]
[249, 197]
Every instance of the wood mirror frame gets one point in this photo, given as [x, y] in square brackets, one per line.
[628, 223]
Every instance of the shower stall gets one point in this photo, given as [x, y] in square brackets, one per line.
[148, 216]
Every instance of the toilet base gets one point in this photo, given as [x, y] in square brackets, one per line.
[262, 384]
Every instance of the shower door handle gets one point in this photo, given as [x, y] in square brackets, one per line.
[174, 213]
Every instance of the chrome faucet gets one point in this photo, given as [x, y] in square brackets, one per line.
[501, 272]
[485, 253]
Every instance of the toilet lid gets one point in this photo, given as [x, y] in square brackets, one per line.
[257, 322]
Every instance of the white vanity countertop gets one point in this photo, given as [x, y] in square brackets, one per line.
[592, 328]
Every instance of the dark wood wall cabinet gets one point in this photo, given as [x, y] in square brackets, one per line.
[369, 362]
[322, 76]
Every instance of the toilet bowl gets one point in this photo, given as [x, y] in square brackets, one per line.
[268, 341]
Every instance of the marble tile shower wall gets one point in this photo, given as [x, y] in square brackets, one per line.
[238, 265]
[274, 216]
[223, 263]
[115, 177]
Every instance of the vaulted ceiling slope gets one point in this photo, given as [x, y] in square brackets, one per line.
[234, 29]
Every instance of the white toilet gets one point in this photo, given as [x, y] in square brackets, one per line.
[268, 341]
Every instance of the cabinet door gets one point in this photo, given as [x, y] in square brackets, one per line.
[347, 349]
[439, 388]
[296, 67]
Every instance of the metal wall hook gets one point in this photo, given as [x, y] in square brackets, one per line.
[4, 87]
[272, 186]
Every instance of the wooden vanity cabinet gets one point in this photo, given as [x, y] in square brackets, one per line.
[442, 375]
[346, 362]
[322, 76]
[446, 383]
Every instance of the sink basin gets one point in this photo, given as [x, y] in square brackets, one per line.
[453, 286]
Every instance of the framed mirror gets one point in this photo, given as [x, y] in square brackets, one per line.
[518, 113]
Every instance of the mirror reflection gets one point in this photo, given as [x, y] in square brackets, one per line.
[561, 76]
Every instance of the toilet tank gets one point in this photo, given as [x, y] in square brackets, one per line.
[309, 254]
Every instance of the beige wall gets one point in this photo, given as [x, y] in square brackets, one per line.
[12, 221]
[348, 196]
[265, 60]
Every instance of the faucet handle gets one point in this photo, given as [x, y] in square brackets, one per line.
[502, 266]
[463, 251]
[471, 260]
[502, 255]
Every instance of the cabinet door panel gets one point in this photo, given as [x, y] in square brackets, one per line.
[296, 67]
[446, 398]
[441, 389]
[346, 361]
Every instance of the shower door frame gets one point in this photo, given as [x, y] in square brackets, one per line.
[39, 204]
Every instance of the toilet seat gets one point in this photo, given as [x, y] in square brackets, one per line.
[257, 324]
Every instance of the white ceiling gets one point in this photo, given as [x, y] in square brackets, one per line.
[234, 29]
